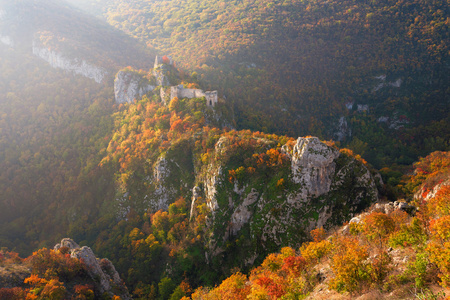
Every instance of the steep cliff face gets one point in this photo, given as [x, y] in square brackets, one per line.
[129, 86]
[291, 189]
[75, 66]
[162, 182]
[321, 187]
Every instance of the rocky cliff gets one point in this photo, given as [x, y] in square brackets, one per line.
[130, 85]
[292, 189]
[323, 188]
[102, 271]
[75, 66]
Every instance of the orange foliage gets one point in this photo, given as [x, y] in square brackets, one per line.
[440, 204]
[430, 171]
[440, 228]
[84, 290]
[273, 288]
[314, 251]
[165, 59]
[349, 264]
[318, 234]
[294, 265]
[45, 289]
[378, 226]
[233, 288]
[48, 263]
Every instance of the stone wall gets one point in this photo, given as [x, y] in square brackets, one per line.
[180, 92]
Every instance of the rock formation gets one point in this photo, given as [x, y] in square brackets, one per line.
[343, 130]
[129, 86]
[325, 188]
[312, 164]
[102, 271]
[76, 66]
[316, 185]
[160, 69]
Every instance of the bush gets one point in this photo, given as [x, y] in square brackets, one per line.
[409, 235]
[314, 251]
[50, 264]
[349, 264]
[378, 226]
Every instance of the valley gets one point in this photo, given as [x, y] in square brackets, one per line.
[224, 150]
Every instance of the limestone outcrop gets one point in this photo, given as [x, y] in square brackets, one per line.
[312, 165]
[129, 86]
[101, 271]
[76, 66]
[325, 187]
[315, 185]
[425, 194]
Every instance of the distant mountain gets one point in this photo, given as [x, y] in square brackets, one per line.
[366, 73]
[69, 39]
[57, 67]
[157, 179]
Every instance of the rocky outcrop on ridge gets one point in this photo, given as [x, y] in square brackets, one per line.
[129, 86]
[315, 185]
[102, 271]
[75, 66]
[424, 194]
[325, 188]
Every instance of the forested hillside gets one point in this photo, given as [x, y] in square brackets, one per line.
[367, 73]
[393, 251]
[180, 192]
[54, 124]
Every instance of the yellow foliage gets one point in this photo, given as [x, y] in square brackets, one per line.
[439, 254]
[314, 251]
[349, 264]
[273, 262]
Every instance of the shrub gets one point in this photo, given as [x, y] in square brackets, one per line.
[50, 264]
[409, 235]
[314, 251]
[378, 226]
[349, 264]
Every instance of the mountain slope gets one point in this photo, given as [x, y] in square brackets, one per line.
[56, 28]
[298, 67]
[383, 253]
[198, 200]
[54, 117]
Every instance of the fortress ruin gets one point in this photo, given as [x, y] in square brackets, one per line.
[180, 92]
